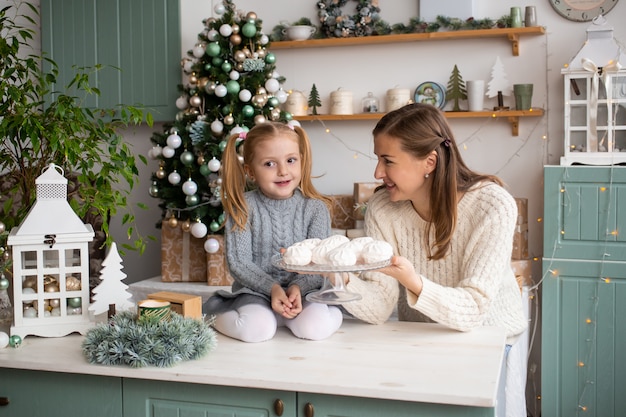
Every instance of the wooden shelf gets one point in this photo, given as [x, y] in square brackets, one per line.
[512, 34]
[512, 116]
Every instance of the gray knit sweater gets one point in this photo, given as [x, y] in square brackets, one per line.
[473, 285]
[272, 225]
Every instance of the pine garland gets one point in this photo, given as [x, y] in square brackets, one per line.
[126, 340]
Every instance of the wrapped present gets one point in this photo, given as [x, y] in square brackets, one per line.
[342, 216]
[522, 210]
[520, 242]
[217, 267]
[187, 305]
[362, 193]
[183, 257]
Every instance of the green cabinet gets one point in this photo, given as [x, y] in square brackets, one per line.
[136, 41]
[584, 292]
[25, 393]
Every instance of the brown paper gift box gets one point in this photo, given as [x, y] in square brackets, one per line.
[362, 193]
[183, 257]
[520, 242]
[217, 267]
[342, 211]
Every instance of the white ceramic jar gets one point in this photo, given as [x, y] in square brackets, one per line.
[341, 102]
[296, 103]
[397, 97]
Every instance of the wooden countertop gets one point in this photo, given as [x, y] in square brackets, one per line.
[398, 361]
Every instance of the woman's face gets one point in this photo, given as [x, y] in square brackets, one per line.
[402, 173]
[276, 167]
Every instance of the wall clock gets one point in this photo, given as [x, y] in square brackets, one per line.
[582, 10]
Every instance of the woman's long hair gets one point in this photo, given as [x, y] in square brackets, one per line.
[421, 129]
[234, 180]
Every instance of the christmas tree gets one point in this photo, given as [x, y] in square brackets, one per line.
[231, 85]
[456, 88]
[314, 99]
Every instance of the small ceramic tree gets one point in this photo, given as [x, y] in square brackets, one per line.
[111, 294]
[499, 84]
[314, 99]
[456, 88]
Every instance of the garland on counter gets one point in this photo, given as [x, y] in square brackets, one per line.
[126, 340]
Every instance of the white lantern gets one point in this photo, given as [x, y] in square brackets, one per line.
[595, 100]
[50, 251]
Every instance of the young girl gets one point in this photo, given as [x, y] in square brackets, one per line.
[283, 209]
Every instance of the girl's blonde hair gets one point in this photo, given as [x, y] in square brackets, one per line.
[234, 180]
[420, 129]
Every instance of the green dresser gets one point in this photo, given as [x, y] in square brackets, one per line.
[584, 292]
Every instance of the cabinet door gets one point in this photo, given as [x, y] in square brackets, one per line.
[583, 338]
[50, 394]
[584, 213]
[137, 42]
[175, 399]
[320, 405]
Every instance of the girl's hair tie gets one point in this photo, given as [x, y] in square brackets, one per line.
[242, 135]
[446, 143]
[290, 126]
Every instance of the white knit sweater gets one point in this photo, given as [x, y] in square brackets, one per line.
[472, 286]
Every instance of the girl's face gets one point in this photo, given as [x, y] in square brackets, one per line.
[402, 173]
[276, 167]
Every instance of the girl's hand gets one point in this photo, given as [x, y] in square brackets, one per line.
[404, 271]
[295, 297]
[280, 301]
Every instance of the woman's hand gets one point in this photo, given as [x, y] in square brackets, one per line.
[404, 271]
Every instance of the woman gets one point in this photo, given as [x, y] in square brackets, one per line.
[451, 229]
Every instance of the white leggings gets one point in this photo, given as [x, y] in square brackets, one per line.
[258, 323]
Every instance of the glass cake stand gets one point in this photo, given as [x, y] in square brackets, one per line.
[333, 291]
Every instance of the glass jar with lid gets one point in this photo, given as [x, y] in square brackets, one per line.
[370, 104]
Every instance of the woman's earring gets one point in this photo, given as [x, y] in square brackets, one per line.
[426, 175]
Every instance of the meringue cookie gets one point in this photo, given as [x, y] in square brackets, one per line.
[376, 251]
[309, 243]
[342, 255]
[297, 255]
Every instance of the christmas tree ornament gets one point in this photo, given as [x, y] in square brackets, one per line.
[4, 283]
[234, 75]
[187, 158]
[214, 164]
[272, 85]
[174, 178]
[198, 50]
[245, 96]
[74, 302]
[202, 82]
[172, 222]
[199, 230]
[235, 39]
[249, 30]
[195, 101]
[190, 187]
[221, 90]
[154, 189]
[247, 111]
[186, 225]
[270, 58]
[193, 79]
[204, 170]
[213, 49]
[4, 340]
[229, 120]
[226, 30]
[210, 87]
[227, 66]
[182, 103]
[215, 226]
[168, 152]
[174, 141]
[211, 245]
[160, 174]
[15, 341]
[200, 160]
[281, 95]
[192, 200]
[232, 87]
[259, 119]
[217, 127]
[187, 65]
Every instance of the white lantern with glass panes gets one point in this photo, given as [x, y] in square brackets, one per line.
[595, 100]
[50, 256]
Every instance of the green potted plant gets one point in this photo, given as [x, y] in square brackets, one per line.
[39, 126]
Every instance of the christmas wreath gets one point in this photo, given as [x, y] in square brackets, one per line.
[127, 340]
[336, 24]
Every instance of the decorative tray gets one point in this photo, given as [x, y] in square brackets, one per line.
[277, 261]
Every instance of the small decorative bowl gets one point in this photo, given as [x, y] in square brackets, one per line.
[299, 32]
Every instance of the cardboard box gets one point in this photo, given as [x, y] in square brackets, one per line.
[183, 257]
[186, 305]
[520, 242]
[362, 193]
[522, 210]
[342, 214]
[217, 266]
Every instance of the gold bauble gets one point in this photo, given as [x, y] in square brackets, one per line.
[247, 52]
[251, 16]
[235, 39]
[160, 174]
[186, 225]
[30, 282]
[239, 56]
[200, 160]
[235, 28]
[55, 303]
[172, 222]
[52, 287]
[193, 80]
[72, 284]
[202, 81]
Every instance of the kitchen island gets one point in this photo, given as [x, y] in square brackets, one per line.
[394, 369]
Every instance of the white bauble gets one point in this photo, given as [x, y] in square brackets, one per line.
[182, 103]
[198, 51]
[245, 95]
[199, 230]
[226, 30]
[168, 152]
[190, 187]
[217, 127]
[219, 9]
[234, 75]
[174, 178]
[221, 90]
[264, 39]
[281, 95]
[213, 35]
[4, 340]
[174, 141]
[211, 245]
[214, 165]
[272, 85]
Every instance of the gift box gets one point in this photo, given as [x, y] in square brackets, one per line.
[217, 267]
[520, 242]
[362, 193]
[522, 210]
[183, 257]
[187, 305]
[342, 216]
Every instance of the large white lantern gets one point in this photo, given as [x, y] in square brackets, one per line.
[51, 264]
[595, 100]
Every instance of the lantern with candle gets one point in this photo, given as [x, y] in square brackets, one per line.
[50, 264]
[595, 96]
